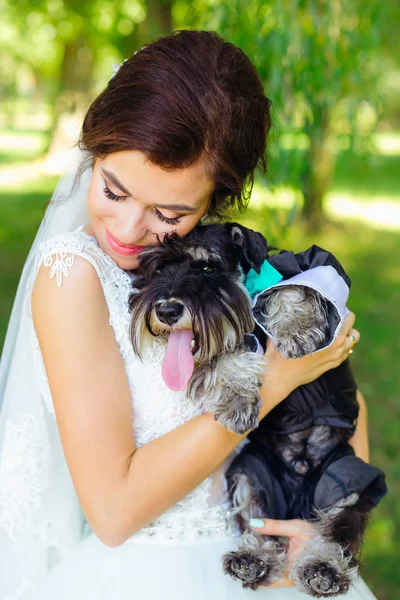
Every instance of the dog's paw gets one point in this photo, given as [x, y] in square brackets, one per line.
[324, 571]
[322, 580]
[240, 415]
[249, 569]
[256, 562]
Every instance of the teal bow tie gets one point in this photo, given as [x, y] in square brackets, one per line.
[268, 276]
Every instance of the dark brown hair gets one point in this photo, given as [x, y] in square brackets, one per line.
[187, 97]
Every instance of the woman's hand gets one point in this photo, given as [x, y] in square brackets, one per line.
[287, 374]
[299, 533]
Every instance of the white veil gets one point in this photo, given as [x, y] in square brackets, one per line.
[40, 515]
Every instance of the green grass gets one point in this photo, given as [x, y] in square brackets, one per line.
[368, 175]
[372, 259]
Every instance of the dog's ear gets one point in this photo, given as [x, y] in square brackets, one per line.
[253, 245]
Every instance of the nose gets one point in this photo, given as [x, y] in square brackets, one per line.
[130, 225]
[169, 312]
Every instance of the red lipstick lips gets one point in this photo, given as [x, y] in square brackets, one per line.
[124, 249]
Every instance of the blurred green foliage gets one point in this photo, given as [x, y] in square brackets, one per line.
[320, 64]
[332, 71]
[331, 67]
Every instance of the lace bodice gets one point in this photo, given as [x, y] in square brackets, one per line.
[156, 409]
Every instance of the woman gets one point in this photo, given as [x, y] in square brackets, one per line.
[112, 485]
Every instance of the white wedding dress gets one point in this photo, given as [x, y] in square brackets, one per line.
[178, 556]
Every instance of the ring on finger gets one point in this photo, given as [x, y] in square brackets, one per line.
[351, 351]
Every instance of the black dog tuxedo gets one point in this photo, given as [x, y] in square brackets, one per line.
[299, 463]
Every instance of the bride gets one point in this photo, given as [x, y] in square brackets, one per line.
[111, 485]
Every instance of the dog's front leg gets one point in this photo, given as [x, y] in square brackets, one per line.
[228, 388]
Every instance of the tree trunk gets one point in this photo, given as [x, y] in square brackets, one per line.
[158, 21]
[320, 164]
[72, 97]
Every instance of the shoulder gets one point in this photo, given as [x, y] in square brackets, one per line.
[70, 319]
[61, 272]
[69, 240]
[74, 277]
[55, 258]
[59, 253]
[66, 279]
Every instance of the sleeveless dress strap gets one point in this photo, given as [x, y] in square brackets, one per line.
[58, 255]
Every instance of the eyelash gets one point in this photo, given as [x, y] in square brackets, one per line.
[165, 219]
[162, 217]
[111, 195]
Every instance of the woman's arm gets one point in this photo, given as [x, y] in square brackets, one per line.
[122, 488]
[359, 441]
[188, 454]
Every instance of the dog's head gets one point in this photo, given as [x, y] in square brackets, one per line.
[190, 290]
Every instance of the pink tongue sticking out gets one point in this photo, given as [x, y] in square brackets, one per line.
[178, 363]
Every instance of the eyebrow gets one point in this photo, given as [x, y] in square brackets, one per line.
[119, 185]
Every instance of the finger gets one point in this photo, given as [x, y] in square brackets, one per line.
[344, 345]
[275, 526]
[345, 330]
[347, 324]
[348, 346]
[352, 339]
[344, 348]
[271, 349]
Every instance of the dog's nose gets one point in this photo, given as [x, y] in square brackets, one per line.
[169, 312]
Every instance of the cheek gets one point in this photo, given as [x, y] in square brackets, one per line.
[98, 206]
[182, 229]
[186, 227]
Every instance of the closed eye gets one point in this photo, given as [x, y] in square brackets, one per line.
[165, 219]
[115, 198]
[111, 195]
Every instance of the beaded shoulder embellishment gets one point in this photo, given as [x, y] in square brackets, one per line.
[60, 256]
[60, 263]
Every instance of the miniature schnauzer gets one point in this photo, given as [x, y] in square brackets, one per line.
[297, 462]
[190, 290]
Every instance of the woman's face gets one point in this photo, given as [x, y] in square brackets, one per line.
[131, 201]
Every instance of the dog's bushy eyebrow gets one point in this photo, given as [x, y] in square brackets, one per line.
[203, 253]
[198, 264]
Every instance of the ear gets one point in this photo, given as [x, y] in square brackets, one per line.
[253, 245]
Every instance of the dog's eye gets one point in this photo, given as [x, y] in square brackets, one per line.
[157, 272]
[207, 270]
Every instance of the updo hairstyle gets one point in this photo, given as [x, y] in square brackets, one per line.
[188, 97]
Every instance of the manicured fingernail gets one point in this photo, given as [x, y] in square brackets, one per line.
[256, 522]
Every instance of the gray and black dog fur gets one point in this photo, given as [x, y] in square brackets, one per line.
[196, 282]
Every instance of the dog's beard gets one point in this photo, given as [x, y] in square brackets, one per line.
[193, 297]
[217, 327]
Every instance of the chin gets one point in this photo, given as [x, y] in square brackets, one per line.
[126, 263]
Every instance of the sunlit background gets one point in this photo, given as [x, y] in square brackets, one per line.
[332, 71]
